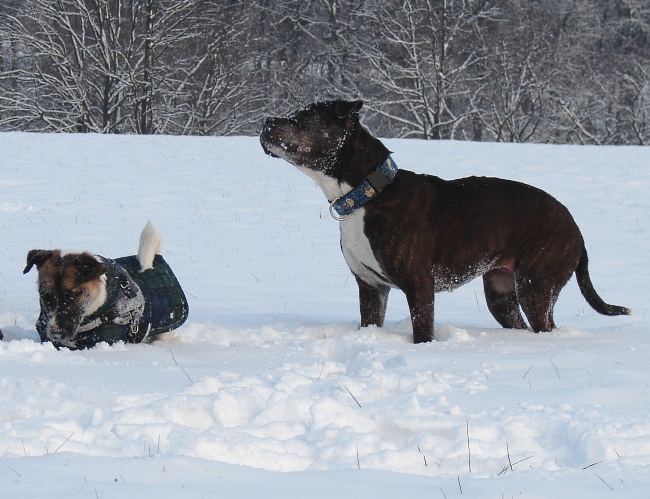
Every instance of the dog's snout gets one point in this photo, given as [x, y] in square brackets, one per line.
[266, 130]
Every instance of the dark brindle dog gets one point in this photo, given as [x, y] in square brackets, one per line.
[422, 234]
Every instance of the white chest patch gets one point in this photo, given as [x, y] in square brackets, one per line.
[357, 251]
[355, 245]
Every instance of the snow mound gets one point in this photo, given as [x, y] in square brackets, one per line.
[271, 389]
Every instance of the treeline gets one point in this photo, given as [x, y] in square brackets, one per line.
[559, 71]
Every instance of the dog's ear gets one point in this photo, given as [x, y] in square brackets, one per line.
[38, 258]
[343, 109]
[88, 267]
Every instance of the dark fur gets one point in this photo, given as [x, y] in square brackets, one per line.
[430, 234]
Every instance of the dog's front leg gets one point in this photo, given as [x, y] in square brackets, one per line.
[420, 302]
[372, 303]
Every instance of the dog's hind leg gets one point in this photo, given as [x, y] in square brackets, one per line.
[501, 298]
[537, 297]
[540, 277]
[372, 303]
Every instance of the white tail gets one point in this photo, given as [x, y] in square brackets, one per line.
[149, 246]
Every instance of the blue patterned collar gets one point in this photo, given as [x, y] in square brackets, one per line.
[371, 186]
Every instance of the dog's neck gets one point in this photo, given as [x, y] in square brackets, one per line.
[362, 153]
[372, 186]
[110, 286]
[331, 187]
[359, 156]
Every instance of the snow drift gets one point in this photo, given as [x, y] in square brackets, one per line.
[271, 374]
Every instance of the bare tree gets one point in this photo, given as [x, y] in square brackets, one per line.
[561, 71]
[88, 65]
[607, 100]
[423, 63]
[308, 54]
[531, 51]
[637, 105]
[214, 88]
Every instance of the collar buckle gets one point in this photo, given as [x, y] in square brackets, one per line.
[335, 214]
[371, 186]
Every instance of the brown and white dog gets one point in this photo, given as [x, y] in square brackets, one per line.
[86, 298]
[423, 234]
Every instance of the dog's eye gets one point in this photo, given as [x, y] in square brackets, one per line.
[73, 294]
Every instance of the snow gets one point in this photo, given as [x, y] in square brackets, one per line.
[270, 390]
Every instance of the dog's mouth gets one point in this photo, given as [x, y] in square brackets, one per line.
[58, 335]
[69, 342]
[275, 146]
[64, 320]
[267, 151]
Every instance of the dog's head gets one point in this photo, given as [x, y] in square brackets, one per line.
[71, 287]
[314, 136]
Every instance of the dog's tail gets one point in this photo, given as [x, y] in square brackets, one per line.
[590, 294]
[149, 246]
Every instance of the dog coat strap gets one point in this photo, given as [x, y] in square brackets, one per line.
[371, 186]
[118, 287]
[113, 288]
[119, 317]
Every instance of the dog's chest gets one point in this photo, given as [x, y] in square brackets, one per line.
[358, 252]
[356, 247]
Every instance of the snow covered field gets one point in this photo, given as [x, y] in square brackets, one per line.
[270, 390]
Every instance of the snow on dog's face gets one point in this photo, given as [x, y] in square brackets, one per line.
[71, 287]
[314, 136]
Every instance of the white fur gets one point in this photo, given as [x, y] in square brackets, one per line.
[355, 245]
[330, 186]
[357, 251]
[100, 299]
[279, 151]
[150, 246]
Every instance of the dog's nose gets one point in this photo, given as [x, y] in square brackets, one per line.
[271, 122]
